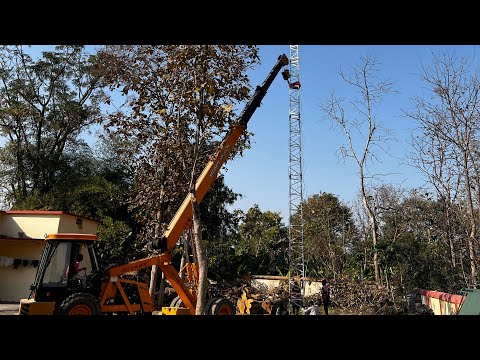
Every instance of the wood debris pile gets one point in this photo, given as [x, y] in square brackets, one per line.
[356, 297]
[367, 296]
[347, 297]
[249, 299]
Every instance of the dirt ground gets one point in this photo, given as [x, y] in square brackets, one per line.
[340, 311]
[12, 309]
[9, 309]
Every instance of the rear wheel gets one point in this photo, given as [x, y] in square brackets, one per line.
[208, 305]
[220, 306]
[80, 304]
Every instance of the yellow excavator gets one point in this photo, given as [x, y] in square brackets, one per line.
[59, 287]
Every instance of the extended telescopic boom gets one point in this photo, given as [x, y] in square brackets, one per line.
[183, 216]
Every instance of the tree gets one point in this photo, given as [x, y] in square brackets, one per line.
[448, 119]
[413, 245]
[362, 133]
[263, 242]
[95, 186]
[329, 232]
[181, 105]
[45, 105]
[436, 160]
[220, 231]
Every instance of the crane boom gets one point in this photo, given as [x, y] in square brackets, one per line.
[110, 291]
[183, 216]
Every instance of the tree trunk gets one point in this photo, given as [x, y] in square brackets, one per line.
[365, 260]
[465, 279]
[153, 282]
[373, 226]
[184, 258]
[473, 230]
[158, 233]
[450, 235]
[201, 259]
[375, 252]
[161, 291]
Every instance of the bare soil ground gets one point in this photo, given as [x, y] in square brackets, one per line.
[9, 309]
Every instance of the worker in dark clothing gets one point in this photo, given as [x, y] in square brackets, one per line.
[296, 291]
[281, 310]
[325, 296]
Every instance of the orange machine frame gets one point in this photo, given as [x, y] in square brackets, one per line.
[182, 220]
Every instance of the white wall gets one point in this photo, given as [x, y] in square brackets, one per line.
[34, 226]
[267, 283]
[15, 283]
[68, 224]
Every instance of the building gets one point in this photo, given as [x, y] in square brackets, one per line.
[22, 233]
[313, 286]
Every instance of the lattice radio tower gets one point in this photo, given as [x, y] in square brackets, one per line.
[295, 233]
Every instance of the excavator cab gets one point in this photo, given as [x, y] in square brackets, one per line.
[68, 270]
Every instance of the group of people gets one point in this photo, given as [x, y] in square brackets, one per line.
[313, 308]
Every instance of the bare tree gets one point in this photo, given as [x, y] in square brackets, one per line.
[436, 160]
[387, 199]
[448, 118]
[361, 129]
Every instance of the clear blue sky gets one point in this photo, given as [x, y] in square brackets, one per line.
[261, 175]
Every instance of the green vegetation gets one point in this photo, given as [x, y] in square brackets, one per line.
[133, 181]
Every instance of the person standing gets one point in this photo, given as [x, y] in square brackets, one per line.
[296, 292]
[281, 310]
[325, 295]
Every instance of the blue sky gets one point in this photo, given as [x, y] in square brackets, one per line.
[261, 175]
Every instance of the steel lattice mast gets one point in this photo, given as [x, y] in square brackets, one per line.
[296, 246]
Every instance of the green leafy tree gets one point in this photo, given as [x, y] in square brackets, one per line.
[415, 243]
[263, 243]
[329, 234]
[220, 231]
[94, 186]
[45, 104]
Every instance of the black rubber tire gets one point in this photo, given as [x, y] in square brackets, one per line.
[222, 306]
[79, 304]
[208, 305]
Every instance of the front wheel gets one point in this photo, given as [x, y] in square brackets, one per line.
[80, 304]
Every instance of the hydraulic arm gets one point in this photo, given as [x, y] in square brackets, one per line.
[53, 292]
[183, 216]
